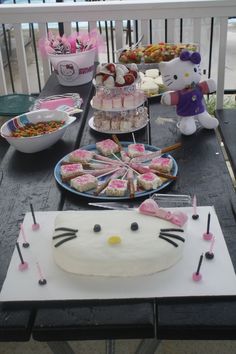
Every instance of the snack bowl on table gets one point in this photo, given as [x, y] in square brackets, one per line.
[54, 125]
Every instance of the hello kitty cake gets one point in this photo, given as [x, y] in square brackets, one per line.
[115, 243]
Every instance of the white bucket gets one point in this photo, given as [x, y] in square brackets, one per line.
[74, 69]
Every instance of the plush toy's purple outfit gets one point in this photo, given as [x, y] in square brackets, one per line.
[189, 102]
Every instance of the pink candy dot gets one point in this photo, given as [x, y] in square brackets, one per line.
[23, 266]
[196, 277]
[35, 227]
[207, 236]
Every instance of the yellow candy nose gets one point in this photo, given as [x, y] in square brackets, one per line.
[186, 74]
[114, 240]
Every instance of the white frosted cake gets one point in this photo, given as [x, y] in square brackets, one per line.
[114, 243]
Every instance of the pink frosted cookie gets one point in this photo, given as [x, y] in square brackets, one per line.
[80, 155]
[149, 181]
[70, 171]
[107, 147]
[135, 150]
[84, 183]
[116, 188]
[162, 164]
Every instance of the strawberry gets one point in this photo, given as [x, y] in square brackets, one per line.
[105, 77]
[133, 72]
[111, 67]
[118, 85]
[129, 79]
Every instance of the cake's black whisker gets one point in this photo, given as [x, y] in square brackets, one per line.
[64, 240]
[168, 240]
[172, 229]
[177, 237]
[65, 229]
[64, 235]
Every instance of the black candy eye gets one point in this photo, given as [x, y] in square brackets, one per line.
[134, 226]
[97, 228]
[195, 70]
[175, 77]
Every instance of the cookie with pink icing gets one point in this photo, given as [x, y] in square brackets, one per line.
[135, 150]
[162, 164]
[80, 155]
[71, 170]
[117, 188]
[84, 183]
[107, 147]
[149, 181]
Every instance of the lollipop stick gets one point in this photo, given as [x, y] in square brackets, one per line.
[25, 243]
[212, 245]
[32, 212]
[23, 265]
[42, 280]
[208, 235]
[133, 138]
[195, 215]
[199, 264]
[208, 223]
[19, 253]
[35, 225]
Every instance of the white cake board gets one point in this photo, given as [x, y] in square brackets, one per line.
[218, 276]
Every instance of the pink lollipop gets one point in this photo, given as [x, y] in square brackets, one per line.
[35, 225]
[197, 276]
[208, 235]
[23, 265]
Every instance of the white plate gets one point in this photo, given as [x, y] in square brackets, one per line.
[91, 124]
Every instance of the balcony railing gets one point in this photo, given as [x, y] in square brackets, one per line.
[203, 21]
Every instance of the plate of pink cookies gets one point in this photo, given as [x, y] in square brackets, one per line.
[116, 171]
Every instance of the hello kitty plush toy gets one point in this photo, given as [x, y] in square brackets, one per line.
[182, 75]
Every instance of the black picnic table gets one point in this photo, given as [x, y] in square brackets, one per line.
[29, 178]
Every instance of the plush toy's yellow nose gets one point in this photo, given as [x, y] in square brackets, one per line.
[186, 74]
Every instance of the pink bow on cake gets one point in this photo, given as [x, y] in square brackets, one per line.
[150, 207]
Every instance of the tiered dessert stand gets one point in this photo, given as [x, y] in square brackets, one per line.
[119, 110]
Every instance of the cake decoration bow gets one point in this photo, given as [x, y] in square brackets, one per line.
[150, 207]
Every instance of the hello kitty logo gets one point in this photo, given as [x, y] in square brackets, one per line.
[68, 70]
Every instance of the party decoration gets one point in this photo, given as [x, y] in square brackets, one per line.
[208, 235]
[182, 76]
[77, 42]
[197, 276]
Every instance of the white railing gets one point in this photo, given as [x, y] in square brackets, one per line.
[195, 15]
